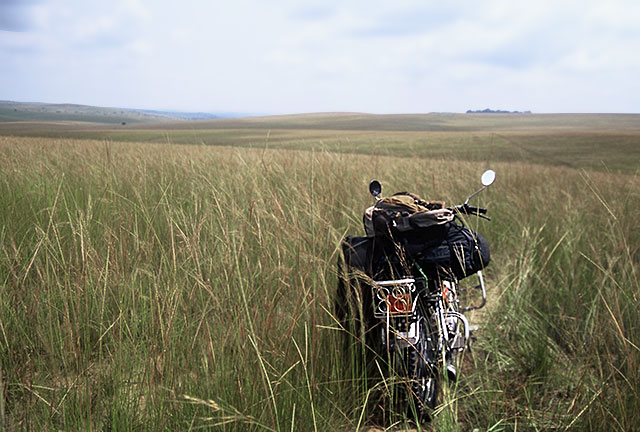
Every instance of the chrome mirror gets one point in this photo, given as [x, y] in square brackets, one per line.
[488, 178]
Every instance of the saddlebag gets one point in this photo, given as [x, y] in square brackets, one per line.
[461, 251]
[438, 250]
[404, 213]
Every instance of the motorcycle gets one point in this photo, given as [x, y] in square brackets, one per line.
[406, 298]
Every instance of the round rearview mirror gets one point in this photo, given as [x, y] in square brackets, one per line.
[375, 188]
[488, 177]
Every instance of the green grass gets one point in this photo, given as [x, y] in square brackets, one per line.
[177, 286]
[609, 143]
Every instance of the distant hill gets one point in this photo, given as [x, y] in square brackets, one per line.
[490, 111]
[11, 111]
[181, 115]
[437, 122]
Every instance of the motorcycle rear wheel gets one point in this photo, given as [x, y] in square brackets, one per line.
[422, 380]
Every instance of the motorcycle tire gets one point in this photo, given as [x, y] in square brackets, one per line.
[423, 380]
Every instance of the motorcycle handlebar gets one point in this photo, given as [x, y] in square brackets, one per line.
[471, 210]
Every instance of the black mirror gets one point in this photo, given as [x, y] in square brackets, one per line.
[375, 188]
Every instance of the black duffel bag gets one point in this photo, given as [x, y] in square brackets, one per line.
[438, 250]
[457, 249]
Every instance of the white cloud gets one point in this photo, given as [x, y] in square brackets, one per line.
[284, 56]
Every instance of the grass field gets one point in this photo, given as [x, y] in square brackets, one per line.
[184, 278]
[605, 142]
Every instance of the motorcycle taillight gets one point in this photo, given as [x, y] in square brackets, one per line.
[393, 297]
[399, 303]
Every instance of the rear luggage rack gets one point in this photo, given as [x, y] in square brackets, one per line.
[394, 297]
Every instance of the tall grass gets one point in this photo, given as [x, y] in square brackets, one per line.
[170, 287]
[561, 350]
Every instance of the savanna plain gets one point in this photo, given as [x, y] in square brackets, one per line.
[182, 275]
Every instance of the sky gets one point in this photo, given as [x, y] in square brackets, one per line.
[298, 56]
